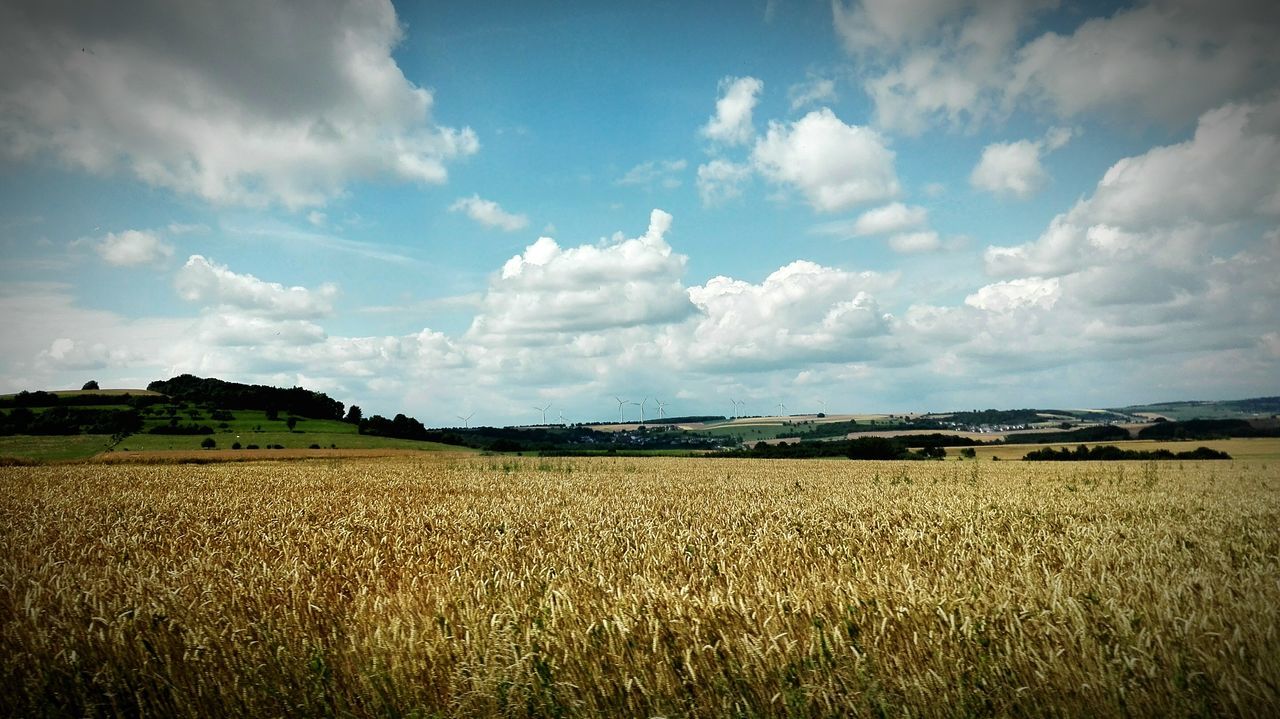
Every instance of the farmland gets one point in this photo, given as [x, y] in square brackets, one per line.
[454, 585]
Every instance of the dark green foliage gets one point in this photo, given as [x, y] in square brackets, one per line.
[233, 395]
[208, 443]
[1112, 453]
[1207, 429]
[69, 420]
[1100, 433]
[90, 385]
[860, 448]
[181, 429]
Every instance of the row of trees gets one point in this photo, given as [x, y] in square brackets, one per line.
[1110, 453]
[233, 395]
[69, 420]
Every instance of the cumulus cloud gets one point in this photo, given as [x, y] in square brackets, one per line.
[731, 125]
[489, 214]
[721, 180]
[132, 248]
[834, 165]
[800, 311]
[238, 102]
[1016, 294]
[1013, 169]
[1165, 61]
[961, 62]
[893, 217]
[1165, 204]
[620, 282]
[1010, 169]
[909, 243]
[203, 281]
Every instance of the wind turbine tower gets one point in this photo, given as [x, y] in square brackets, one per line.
[543, 410]
[466, 421]
[662, 408]
[782, 409]
[642, 404]
[621, 416]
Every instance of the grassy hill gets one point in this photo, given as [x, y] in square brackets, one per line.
[227, 428]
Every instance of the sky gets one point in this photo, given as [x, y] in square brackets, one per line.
[453, 209]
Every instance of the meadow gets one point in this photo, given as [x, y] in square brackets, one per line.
[451, 585]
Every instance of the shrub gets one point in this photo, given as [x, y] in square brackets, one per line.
[208, 443]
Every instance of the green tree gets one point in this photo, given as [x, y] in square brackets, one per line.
[208, 443]
[291, 422]
[91, 384]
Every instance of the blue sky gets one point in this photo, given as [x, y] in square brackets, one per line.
[445, 208]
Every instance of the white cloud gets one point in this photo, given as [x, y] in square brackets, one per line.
[801, 312]
[132, 248]
[647, 174]
[622, 282]
[1166, 203]
[489, 214]
[961, 62]
[206, 282]
[1016, 294]
[836, 166]
[908, 243]
[893, 217]
[239, 102]
[1165, 61]
[1010, 169]
[721, 180]
[731, 125]
[815, 91]
[1013, 169]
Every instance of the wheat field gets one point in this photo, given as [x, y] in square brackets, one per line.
[485, 586]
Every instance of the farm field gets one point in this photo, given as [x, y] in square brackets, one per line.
[450, 585]
[1253, 448]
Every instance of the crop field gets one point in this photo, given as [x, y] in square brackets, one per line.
[458, 585]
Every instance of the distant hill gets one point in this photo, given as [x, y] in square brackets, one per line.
[233, 395]
[1253, 408]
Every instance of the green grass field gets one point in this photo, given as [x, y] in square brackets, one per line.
[249, 427]
[53, 448]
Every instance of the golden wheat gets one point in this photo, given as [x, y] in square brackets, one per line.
[640, 587]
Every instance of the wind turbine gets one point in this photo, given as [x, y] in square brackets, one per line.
[782, 409]
[466, 421]
[621, 416]
[543, 410]
[642, 404]
[823, 402]
[563, 421]
[737, 409]
[662, 408]
[733, 414]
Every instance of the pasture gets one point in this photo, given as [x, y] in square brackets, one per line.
[450, 585]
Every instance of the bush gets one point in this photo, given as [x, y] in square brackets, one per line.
[314, 446]
[235, 445]
[968, 452]
[208, 443]
[252, 446]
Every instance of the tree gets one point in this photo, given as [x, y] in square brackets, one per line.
[291, 422]
[208, 443]
[91, 384]
[354, 415]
